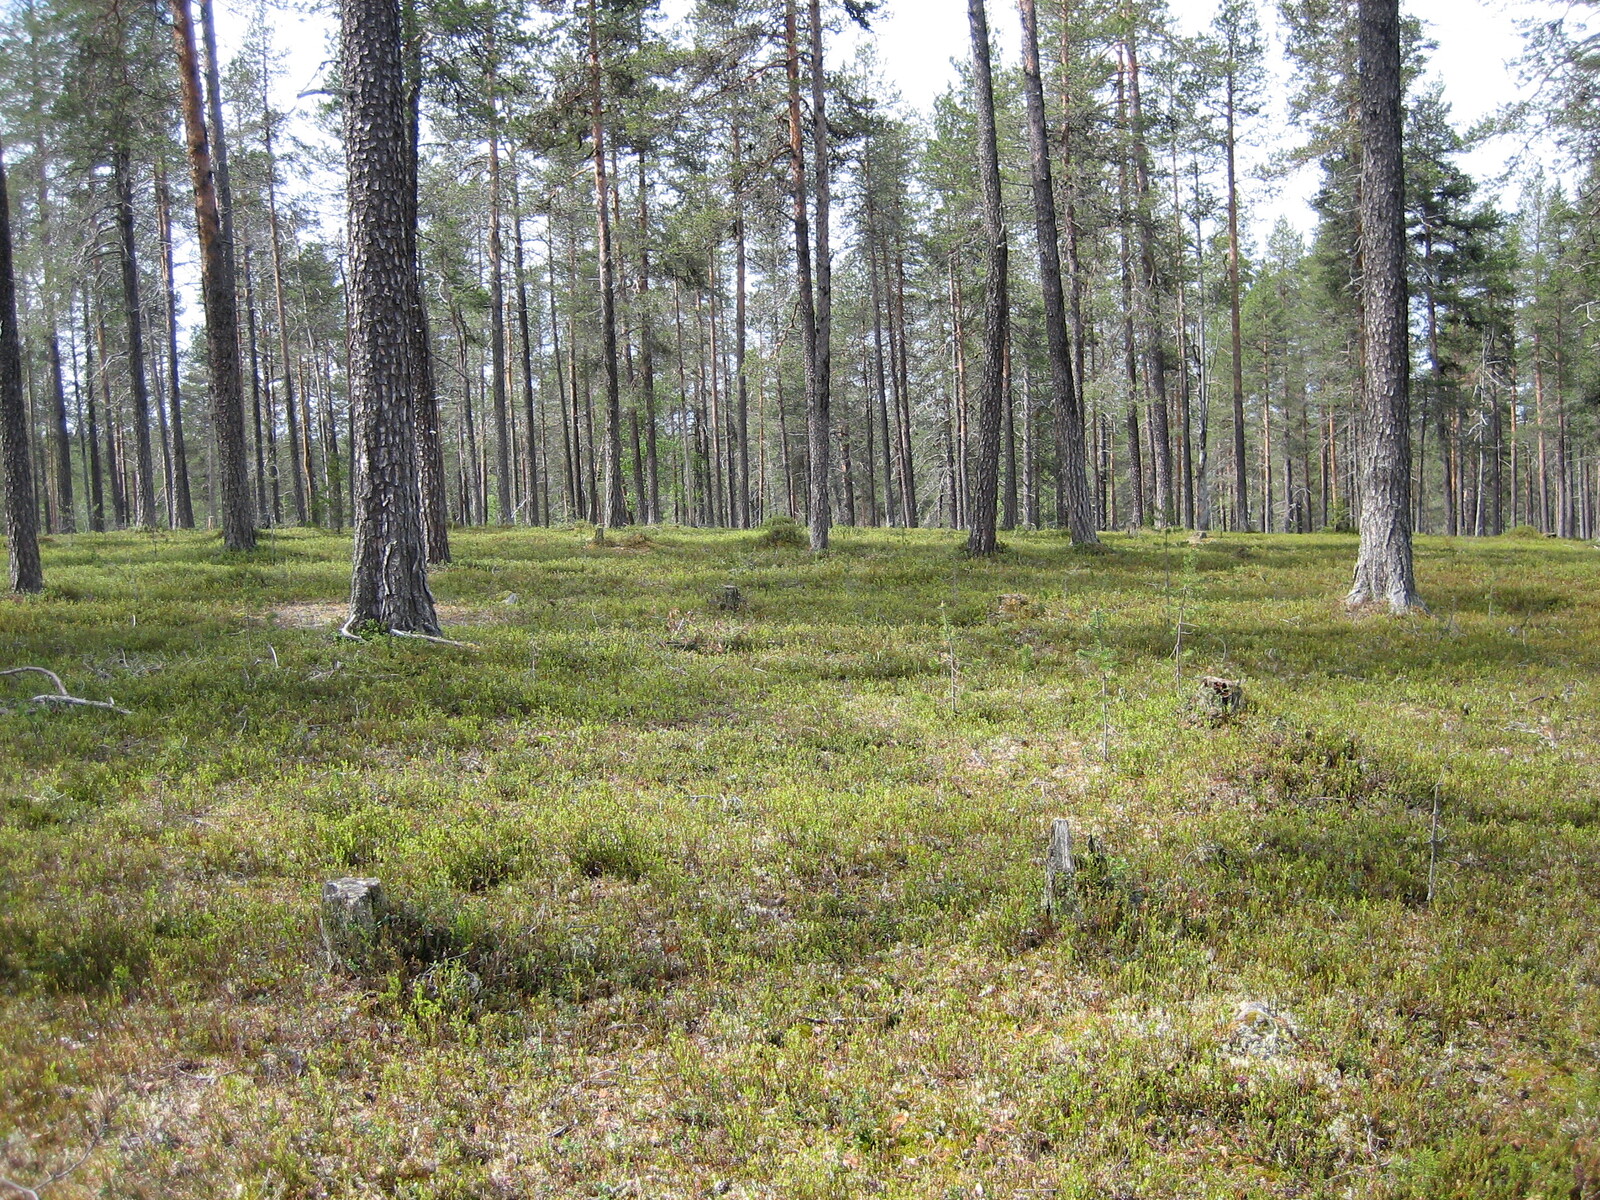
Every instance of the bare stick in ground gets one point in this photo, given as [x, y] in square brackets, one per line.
[60, 695]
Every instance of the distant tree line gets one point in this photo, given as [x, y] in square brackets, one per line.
[694, 276]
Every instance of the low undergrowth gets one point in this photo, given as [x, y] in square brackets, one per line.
[693, 897]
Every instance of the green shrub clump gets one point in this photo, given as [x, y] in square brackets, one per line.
[782, 533]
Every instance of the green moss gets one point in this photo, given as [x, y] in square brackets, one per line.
[689, 896]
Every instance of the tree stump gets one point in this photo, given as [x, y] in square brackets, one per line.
[352, 912]
[728, 599]
[1219, 700]
[1059, 896]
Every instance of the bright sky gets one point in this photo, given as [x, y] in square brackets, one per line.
[917, 39]
[1477, 39]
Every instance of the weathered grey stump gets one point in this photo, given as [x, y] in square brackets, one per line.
[352, 912]
[729, 599]
[1060, 898]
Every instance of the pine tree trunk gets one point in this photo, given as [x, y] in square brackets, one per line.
[981, 518]
[263, 513]
[60, 441]
[616, 501]
[531, 424]
[144, 513]
[497, 331]
[1072, 479]
[819, 409]
[1383, 568]
[389, 583]
[1241, 482]
[741, 337]
[22, 516]
[96, 482]
[431, 486]
[285, 347]
[816, 419]
[1130, 359]
[221, 305]
[183, 501]
[647, 354]
[1155, 374]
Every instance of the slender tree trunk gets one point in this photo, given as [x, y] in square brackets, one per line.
[616, 501]
[741, 338]
[568, 431]
[1072, 479]
[981, 527]
[819, 409]
[389, 578]
[60, 440]
[285, 346]
[263, 513]
[22, 514]
[531, 424]
[96, 482]
[1136, 513]
[1383, 568]
[1155, 373]
[1008, 441]
[497, 324]
[221, 304]
[431, 486]
[647, 354]
[183, 502]
[144, 483]
[1241, 483]
[880, 384]
[816, 418]
[1075, 276]
[908, 467]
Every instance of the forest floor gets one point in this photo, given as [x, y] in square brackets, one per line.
[692, 902]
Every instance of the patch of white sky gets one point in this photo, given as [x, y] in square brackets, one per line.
[918, 46]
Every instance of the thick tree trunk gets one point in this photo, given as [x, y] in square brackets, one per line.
[389, 583]
[221, 304]
[1072, 478]
[1383, 568]
[22, 516]
[981, 517]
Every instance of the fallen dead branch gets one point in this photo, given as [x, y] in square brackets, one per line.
[61, 695]
[346, 633]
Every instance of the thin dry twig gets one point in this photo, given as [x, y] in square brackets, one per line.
[60, 696]
[438, 641]
[344, 632]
